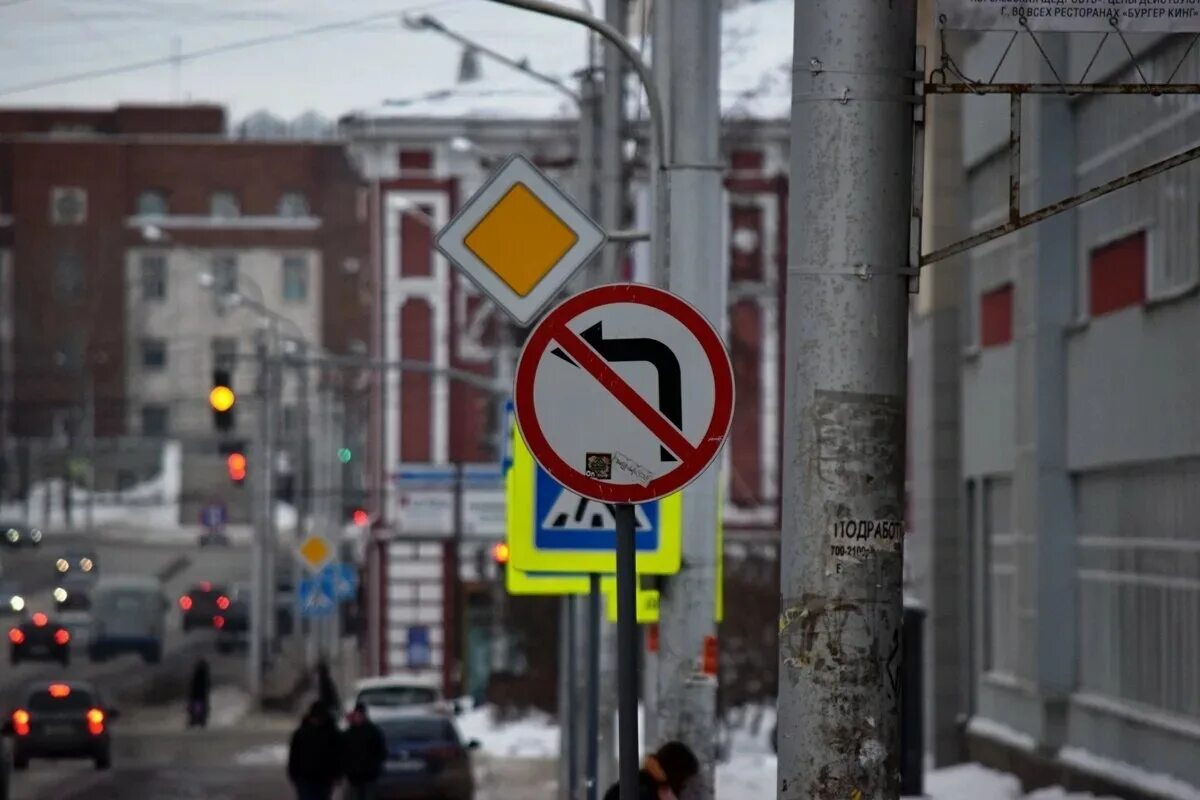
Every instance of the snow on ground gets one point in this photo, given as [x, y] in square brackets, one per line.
[532, 736]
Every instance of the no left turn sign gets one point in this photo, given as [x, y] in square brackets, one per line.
[624, 393]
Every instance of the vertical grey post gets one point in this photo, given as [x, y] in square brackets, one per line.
[271, 452]
[843, 457]
[571, 726]
[304, 487]
[90, 518]
[458, 626]
[687, 698]
[612, 173]
[259, 486]
[564, 698]
[627, 650]
[1042, 492]
[592, 748]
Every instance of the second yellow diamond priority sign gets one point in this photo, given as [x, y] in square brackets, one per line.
[520, 239]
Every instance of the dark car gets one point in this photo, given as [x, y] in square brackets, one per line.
[202, 605]
[234, 624]
[39, 639]
[18, 534]
[425, 758]
[62, 719]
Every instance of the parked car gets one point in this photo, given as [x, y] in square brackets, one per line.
[18, 534]
[426, 757]
[128, 615]
[395, 692]
[40, 639]
[202, 604]
[61, 719]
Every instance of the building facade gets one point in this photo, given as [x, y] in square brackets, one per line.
[1072, 591]
[113, 219]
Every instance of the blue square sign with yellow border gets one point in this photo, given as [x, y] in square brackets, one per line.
[551, 529]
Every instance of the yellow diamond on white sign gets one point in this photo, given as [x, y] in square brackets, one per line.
[315, 552]
[520, 239]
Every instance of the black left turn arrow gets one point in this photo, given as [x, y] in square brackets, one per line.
[670, 383]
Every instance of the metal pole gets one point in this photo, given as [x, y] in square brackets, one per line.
[593, 669]
[627, 650]
[612, 117]
[456, 635]
[572, 696]
[271, 432]
[687, 688]
[258, 485]
[91, 449]
[844, 406]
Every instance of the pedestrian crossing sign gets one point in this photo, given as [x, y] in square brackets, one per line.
[551, 529]
[518, 582]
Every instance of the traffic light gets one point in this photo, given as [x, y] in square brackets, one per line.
[500, 553]
[344, 455]
[360, 517]
[235, 463]
[222, 399]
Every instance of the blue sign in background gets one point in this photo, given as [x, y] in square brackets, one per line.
[547, 537]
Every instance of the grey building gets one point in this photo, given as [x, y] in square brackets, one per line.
[1063, 571]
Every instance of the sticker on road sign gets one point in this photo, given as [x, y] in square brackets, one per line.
[600, 393]
[520, 239]
[554, 530]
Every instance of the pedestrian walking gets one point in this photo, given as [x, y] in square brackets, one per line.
[198, 691]
[664, 775]
[363, 753]
[314, 755]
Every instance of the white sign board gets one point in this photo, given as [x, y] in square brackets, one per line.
[520, 239]
[1173, 16]
[624, 393]
[430, 512]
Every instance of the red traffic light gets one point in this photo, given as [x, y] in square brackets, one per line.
[360, 517]
[236, 464]
[500, 553]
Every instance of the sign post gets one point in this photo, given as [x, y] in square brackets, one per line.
[623, 353]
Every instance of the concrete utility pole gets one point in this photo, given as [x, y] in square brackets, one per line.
[687, 688]
[260, 485]
[844, 406]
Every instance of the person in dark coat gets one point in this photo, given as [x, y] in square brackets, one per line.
[198, 692]
[664, 775]
[363, 752]
[314, 755]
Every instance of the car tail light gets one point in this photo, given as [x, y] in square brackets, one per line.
[222, 602]
[20, 720]
[185, 603]
[95, 721]
[59, 690]
[16, 636]
[40, 619]
[62, 636]
[218, 622]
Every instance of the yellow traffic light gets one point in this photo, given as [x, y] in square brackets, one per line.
[221, 398]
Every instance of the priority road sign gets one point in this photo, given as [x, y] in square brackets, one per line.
[554, 530]
[520, 239]
[315, 552]
[599, 393]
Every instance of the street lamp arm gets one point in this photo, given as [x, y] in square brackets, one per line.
[429, 23]
[653, 100]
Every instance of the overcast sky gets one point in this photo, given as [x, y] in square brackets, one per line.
[361, 56]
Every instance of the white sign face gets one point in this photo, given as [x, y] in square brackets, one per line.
[624, 393]
[1174, 16]
[430, 512]
[520, 239]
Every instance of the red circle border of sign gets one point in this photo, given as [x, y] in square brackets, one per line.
[539, 341]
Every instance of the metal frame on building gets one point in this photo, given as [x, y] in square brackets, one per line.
[939, 84]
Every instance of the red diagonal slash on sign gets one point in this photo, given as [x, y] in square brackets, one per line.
[648, 415]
